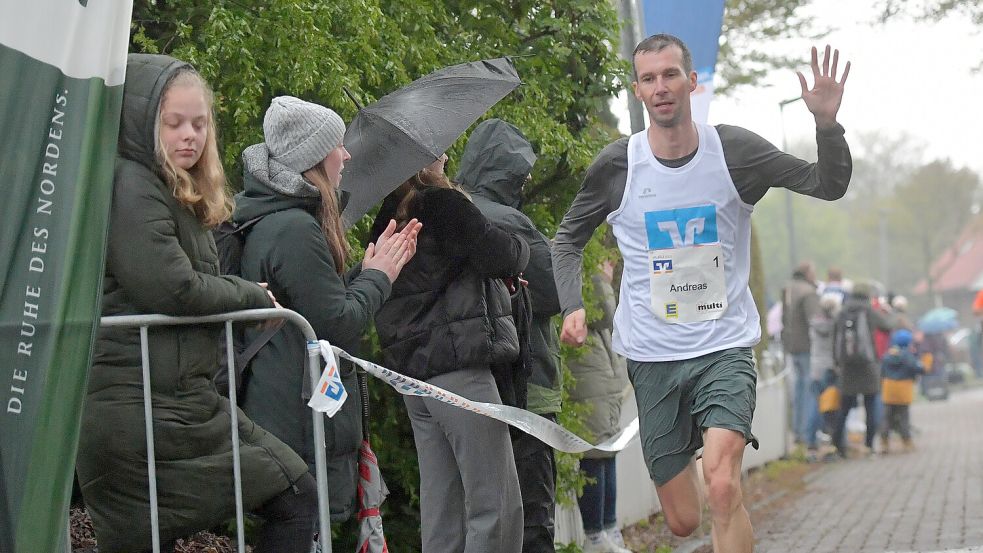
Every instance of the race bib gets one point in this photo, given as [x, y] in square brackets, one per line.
[686, 265]
[688, 284]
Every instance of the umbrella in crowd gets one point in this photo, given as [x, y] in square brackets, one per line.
[940, 319]
[394, 138]
[371, 492]
[372, 489]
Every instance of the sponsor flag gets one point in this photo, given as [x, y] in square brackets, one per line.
[697, 23]
[62, 64]
[330, 393]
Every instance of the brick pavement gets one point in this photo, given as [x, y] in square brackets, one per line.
[925, 501]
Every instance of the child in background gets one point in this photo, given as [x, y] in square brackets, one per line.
[898, 371]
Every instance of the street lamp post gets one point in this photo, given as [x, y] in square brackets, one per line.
[789, 208]
[629, 37]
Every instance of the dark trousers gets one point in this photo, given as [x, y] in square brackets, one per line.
[536, 465]
[290, 519]
[597, 505]
[898, 419]
[849, 402]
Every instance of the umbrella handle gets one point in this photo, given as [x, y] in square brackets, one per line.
[363, 391]
[351, 96]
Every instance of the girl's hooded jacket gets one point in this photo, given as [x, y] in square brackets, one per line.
[287, 250]
[160, 259]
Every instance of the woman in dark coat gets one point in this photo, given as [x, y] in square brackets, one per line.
[448, 322]
[299, 248]
[169, 188]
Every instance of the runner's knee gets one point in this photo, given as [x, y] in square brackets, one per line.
[681, 522]
[723, 491]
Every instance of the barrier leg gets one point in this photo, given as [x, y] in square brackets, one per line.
[148, 415]
[236, 464]
[320, 453]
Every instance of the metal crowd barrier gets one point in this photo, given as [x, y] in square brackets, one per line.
[314, 370]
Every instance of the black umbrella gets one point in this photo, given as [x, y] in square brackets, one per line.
[410, 128]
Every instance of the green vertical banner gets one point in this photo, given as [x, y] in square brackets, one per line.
[62, 64]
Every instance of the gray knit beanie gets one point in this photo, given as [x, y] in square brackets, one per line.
[300, 134]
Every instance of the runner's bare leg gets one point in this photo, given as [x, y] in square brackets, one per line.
[682, 501]
[723, 452]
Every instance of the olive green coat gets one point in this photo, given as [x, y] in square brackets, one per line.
[600, 374]
[160, 259]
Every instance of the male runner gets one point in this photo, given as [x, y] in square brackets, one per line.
[679, 198]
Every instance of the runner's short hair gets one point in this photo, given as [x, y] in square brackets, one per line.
[658, 43]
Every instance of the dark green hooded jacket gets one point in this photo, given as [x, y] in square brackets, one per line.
[496, 163]
[160, 259]
[287, 250]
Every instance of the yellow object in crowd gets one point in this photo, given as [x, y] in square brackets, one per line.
[829, 399]
[927, 361]
[897, 392]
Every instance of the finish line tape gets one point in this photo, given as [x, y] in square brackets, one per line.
[549, 432]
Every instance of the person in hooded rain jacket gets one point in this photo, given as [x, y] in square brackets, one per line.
[299, 248]
[448, 322]
[168, 188]
[601, 381]
[496, 163]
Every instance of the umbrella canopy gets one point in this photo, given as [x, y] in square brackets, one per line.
[371, 492]
[940, 319]
[394, 138]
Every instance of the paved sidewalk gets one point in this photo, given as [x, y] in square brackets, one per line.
[929, 500]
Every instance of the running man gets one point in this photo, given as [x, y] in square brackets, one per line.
[679, 198]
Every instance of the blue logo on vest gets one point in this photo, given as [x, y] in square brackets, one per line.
[660, 266]
[685, 226]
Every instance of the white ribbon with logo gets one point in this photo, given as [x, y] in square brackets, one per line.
[549, 432]
[330, 393]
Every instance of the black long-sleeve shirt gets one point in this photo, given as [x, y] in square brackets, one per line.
[755, 165]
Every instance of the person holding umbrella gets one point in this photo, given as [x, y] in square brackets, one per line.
[448, 322]
[299, 248]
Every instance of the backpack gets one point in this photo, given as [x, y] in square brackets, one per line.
[852, 343]
[230, 239]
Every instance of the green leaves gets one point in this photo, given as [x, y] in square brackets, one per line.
[252, 50]
[748, 26]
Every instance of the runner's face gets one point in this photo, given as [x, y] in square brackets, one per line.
[184, 125]
[663, 86]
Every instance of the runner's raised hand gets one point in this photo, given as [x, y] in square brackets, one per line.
[823, 100]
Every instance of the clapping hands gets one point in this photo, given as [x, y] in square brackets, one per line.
[393, 250]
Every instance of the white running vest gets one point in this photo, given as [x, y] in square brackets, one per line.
[685, 236]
